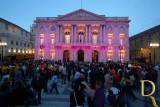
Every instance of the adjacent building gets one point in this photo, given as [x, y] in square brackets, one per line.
[82, 36]
[18, 40]
[140, 44]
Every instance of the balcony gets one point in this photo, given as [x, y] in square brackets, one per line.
[117, 18]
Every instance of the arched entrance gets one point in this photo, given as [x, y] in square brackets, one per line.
[94, 56]
[80, 56]
[66, 56]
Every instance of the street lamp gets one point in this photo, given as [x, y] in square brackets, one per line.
[3, 44]
[41, 47]
[154, 45]
[120, 48]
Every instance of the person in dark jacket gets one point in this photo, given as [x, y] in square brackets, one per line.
[37, 84]
[19, 94]
[4, 94]
[77, 96]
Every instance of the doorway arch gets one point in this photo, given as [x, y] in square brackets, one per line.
[80, 55]
[94, 56]
[66, 56]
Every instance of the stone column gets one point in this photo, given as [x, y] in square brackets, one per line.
[75, 33]
[89, 34]
[72, 36]
[101, 33]
[86, 39]
[104, 34]
[57, 34]
[61, 34]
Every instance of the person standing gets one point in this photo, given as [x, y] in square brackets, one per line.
[63, 75]
[54, 82]
[37, 84]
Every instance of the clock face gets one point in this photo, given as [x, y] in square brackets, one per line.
[52, 29]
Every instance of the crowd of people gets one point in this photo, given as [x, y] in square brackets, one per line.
[110, 84]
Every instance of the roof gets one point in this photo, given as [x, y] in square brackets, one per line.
[61, 17]
[153, 29]
[1, 19]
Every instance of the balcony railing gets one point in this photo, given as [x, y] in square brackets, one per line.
[45, 18]
[117, 18]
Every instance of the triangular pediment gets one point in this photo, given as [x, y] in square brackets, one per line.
[81, 14]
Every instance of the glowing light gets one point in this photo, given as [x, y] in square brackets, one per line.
[67, 38]
[81, 25]
[14, 50]
[19, 51]
[110, 34]
[23, 51]
[66, 24]
[95, 25]
[9, 50]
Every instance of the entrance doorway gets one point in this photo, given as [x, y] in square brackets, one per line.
[94, 56]
[66, 56]
[80, 56]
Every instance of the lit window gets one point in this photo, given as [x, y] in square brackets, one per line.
[41, 40]
[110, 38]
[122, 55]
[41, 53]
[121, 39]
[67, 36]
[52, 38]
[94, 36]
[9, 50]
[81, 36]
[110, 55]
[52, 55]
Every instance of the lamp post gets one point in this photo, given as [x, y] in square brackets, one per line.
[120, 48]
[41, 47]
[154, 45]
[3, 44]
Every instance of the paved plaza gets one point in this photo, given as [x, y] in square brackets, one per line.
[63, 99]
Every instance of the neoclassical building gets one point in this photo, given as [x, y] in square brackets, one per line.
[82, 36]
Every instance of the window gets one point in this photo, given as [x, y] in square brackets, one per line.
[21, 43]
[110, 38]
[13, 29]
[12, 50]
[110, 55]
[11, 42]
[141, 41]
[21, 32]
[41, 40]
[81, 36]
[121, 39]
[67, 36]
[26, 33]
[135, 43]
[6, 27]
[16, 43]
[24, 44]
[21, 50]
[28, 45]
[141, 54]
[17, 50]
[52, 55]
[95, 36]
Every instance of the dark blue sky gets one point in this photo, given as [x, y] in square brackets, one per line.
[143, 14]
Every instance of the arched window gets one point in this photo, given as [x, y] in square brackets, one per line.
[94, 36]
[67, 34]
[81, 35]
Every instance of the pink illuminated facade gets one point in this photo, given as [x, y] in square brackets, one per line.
[82, 36]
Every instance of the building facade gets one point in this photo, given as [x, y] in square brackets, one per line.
[82, 36]
[140, 45]
[18, 40]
